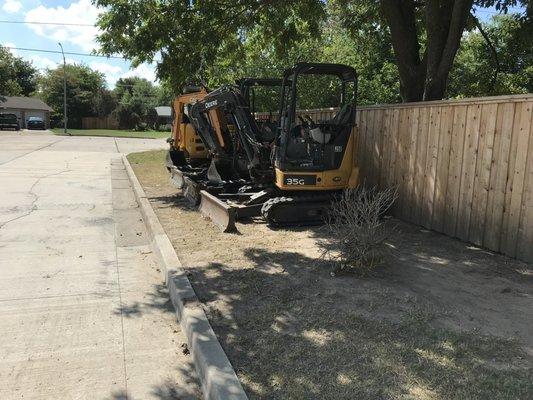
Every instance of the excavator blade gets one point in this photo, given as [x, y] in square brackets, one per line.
[220, 213]
[176, 177]
[191, 191]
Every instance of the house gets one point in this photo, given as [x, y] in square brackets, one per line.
[164, 116]
[26, 107]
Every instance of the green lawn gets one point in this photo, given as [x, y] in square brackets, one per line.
[112, 133]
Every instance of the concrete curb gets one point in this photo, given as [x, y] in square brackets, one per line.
[216, 374]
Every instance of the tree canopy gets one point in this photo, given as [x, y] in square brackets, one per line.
[17, 77]
[402, 49]
[83, 86]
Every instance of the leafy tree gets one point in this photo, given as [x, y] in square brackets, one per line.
[17, 77]
[104, 103]
[83, 86]
[477, 73]
[425, 37]
[136, 98]
[215, 40]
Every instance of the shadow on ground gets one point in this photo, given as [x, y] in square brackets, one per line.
[157, 299]
[293, 332]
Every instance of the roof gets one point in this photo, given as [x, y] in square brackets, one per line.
[163, 111]
[25, 103]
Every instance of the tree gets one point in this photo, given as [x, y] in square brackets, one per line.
[194, 37]
[475, 73]
[136, 97]
[83, 86]
[425, 37]
[17, 77]
[104, 103]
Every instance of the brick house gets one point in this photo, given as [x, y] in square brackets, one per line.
[26, 107]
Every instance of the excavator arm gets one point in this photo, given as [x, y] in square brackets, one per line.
[244, 147]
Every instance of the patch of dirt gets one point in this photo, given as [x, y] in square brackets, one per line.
[443, 319]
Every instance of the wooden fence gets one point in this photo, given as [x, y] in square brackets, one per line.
[108, 122]
[463, 167]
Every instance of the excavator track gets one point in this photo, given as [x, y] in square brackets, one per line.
[298, 210]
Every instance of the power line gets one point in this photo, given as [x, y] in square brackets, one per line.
[43, 23]
[66, 52]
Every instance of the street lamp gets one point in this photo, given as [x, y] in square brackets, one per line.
[64, 91]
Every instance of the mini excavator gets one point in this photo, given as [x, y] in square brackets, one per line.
[290, 179]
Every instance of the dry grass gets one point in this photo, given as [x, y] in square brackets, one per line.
[443, 321]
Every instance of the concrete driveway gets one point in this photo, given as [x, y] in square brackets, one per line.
[83, 311]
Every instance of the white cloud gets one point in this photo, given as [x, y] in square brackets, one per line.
[12, 6]
[146, 71]
[111, 72]
[41, 62]
[80, 12]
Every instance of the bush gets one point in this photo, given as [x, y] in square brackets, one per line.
[358, 231]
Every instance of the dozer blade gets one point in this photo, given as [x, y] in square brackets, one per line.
[176, 177]
[219, 212]
[191, 191]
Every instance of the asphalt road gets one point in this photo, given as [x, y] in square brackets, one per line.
[83, 312]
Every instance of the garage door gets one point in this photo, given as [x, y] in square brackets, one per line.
[33, 113]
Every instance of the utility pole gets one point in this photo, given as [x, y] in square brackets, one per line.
[64, 91]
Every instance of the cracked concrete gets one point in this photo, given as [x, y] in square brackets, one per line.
[83, 312]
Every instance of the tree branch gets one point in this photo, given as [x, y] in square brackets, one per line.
[492, 50]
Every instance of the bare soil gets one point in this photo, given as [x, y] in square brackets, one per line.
[442, 320]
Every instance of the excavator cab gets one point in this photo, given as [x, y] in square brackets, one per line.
[262, 96]
[313, 154]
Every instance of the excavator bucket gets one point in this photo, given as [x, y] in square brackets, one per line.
[219, 212]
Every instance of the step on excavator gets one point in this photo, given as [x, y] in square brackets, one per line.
[290, 180]
[188, 159]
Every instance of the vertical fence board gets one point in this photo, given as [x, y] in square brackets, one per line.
[468, 171]
[401, 156]
[370, 141]
[455, 170]
[431, 165]
[513, 150]
[385, 148]
[413, 131]
[509, 241]
[482, 176]
[421, 154]
[393, 129]
[377, 153]
[443, 160]
[525, 229]
[498, 179]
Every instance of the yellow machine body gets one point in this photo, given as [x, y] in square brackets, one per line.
[184, 135]
[346, 176]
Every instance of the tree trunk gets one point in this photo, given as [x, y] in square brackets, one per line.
[400, 16]
[425, 78]
[445, 23]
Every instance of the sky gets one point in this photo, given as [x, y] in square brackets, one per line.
[78, 39]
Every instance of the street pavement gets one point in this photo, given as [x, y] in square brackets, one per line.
[83, 311]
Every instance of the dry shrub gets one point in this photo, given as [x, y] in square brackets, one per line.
[358, 231]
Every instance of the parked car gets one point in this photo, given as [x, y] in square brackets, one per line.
[9, 121]
[35, 123]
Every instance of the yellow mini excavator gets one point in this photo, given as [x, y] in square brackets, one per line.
[291, 179]
[187, 155]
